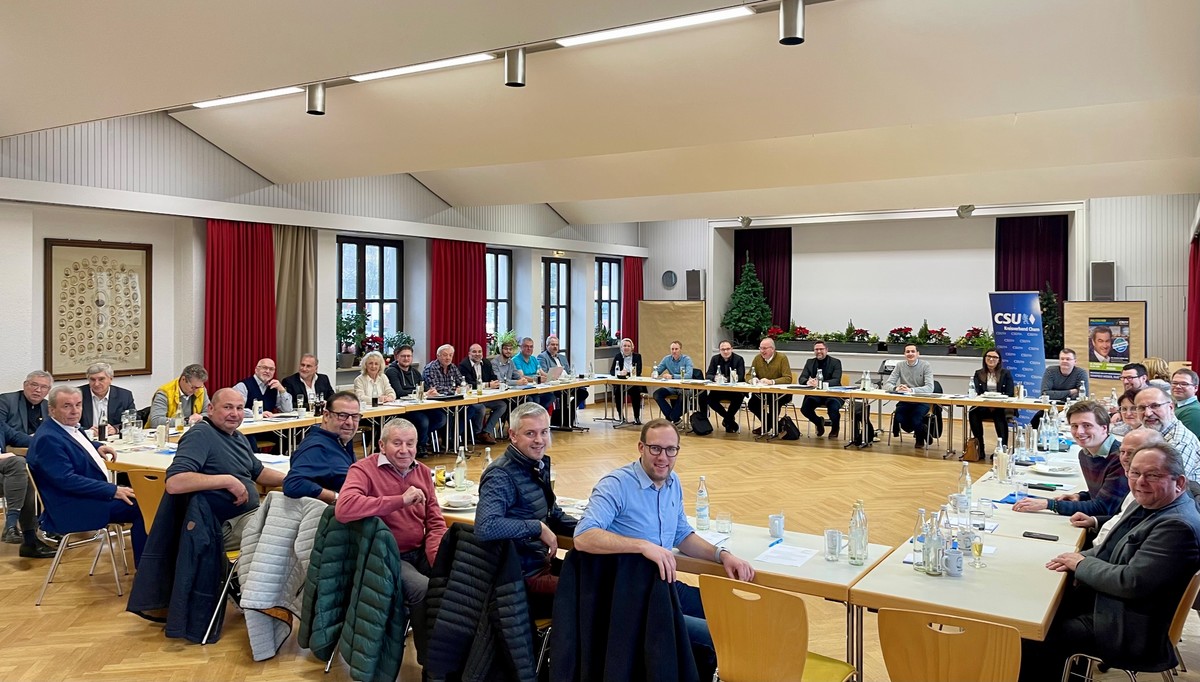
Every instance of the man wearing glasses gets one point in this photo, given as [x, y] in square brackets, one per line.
[1183, 392]
[213, 455]
[638, 509]
[320, 463]
[1133, 376]
[24, 410]
[1126, 590]
[1158, 412]
[183, 397]
[263, 385]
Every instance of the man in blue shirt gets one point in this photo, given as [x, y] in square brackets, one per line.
[673, 366]
[529, 365]
[638, 509]
[320, 463]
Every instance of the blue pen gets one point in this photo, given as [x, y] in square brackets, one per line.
[774, 543]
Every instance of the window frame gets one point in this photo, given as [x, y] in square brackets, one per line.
[613, 265]
[564, 304]
[361, 300]
[498, 254]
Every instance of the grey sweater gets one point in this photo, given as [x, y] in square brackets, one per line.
[1058, 386]
[918, 377]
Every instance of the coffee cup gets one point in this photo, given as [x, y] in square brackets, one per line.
[952, 563]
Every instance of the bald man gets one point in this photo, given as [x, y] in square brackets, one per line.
[262, 385]
[479, 372]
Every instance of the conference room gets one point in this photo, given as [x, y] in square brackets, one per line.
[891, 171]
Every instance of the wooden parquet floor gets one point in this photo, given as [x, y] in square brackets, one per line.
[81, 631]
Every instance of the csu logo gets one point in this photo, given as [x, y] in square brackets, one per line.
[1013, 318]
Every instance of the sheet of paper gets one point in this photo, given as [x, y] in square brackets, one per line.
[713, 537]
[784, 555]
[270, 459]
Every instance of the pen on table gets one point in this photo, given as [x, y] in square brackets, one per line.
[776, 542]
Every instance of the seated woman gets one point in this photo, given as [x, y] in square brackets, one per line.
[1158, 373]
[1126, 417]
[372, 382]
[628, 364]
[992, 377]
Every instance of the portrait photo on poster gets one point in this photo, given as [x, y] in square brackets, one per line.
[1108, 346]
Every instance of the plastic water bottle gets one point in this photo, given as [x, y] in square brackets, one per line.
[702, 506]
[462, 386]
[918, 541]
[460, 469]
[858, 535]
[964, 483]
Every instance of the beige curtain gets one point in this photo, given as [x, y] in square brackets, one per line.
[295, 295]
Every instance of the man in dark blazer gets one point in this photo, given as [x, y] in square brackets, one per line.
[25, 410]
[20, 505]
[732, 367]
[99, 391]
[478, 370]
[307, 382]
[71, 476]
[1127, 589]
[831, 373]
[628, 364]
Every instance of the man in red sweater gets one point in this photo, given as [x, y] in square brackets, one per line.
[394, 486]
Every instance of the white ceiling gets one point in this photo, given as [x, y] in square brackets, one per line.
[889, 104]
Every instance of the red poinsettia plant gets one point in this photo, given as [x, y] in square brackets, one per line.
[900, 335]
[373, 342]
[774, 331]
[801, 332]
[938, 335]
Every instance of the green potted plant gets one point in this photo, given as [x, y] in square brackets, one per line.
[351, 332]
[495, 341]
[391, 343]
[601, 335]
[748, 316]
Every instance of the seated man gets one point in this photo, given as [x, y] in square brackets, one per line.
[25, 410]
[182, 399]
[443, 376]
[306, 383]
[914, 375]
[1183, 392]
[405, 378]
[214, 455]
[262, 385]
[1100, 525]
[1125, 591]
[831, 373]
[517, 503]
[628, 364]
[100, 397]
[1133, 376]
[1099, 458]
[478, 372]
[1063, 382]
[674, 365]
[1158, 413]
[505, 369]
[551, 358]
[320, 462]
[393, 486]
[732, 368]
[529, 366]
[769, 368]
[19, 501]
[638, 509]
[73, 480]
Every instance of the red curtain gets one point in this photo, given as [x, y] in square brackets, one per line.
[1031, 251]
[457, 313]
[239, 300]
[631, 293]
[1193, 303]
[770, 250]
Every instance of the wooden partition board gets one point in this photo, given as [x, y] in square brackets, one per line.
[661, 322]
[1129, 339]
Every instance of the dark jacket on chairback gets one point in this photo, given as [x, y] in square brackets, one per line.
[352, 598]
[183, 571]
[602, 632]
[479, 615]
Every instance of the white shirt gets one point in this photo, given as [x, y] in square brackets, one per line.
[78, 436]
[478, 372]
[1112, 523]
[309, 388]
[99, 408]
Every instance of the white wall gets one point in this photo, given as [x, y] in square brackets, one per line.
[177, 324]
[678, 245]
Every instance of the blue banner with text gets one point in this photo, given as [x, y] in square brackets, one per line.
[1017, 325]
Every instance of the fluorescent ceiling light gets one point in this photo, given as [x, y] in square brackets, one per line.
[427, 66]
[655, 26]
[247, 98]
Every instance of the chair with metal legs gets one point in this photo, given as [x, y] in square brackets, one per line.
[234, 557]
[104, 537]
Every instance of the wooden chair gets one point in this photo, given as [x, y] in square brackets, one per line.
[736, 612]
[149, 485]
[929, 647]
[1175, 633]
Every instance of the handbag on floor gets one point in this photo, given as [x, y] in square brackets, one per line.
[701, 426]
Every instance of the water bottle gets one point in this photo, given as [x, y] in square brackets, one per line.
[702, 506]
[866, 380]
[971, 388]
[820, 379]
[102, 427]
[858, 535]
[753, 377]
[934, 547]
[918, 541]
[1000, 463]
[964, 483]
[460, 469]
[462, 386]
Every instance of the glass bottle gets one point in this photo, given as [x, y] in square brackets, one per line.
[487, 457]
[702, 506]
[102, 427]
[820, 379]
[934, 548]
[964, 483]
[1000, 463]
[858, 535]
[460, 469]
[918, 541]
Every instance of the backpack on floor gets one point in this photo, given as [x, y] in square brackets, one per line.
[701, 426]
[788, 429]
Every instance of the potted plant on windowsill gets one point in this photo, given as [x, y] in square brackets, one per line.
[351, 331]
[933, 341]
[852, 340]
[974, 342]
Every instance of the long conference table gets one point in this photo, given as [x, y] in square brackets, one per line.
[1014, 589]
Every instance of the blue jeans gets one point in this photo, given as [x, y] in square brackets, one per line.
[697, 628]
[671, 412]
[426, 422]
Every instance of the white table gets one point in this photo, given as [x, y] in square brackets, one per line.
[147, 456]
[1012, 523]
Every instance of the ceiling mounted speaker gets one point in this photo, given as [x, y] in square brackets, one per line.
[514, 68]
[791, 22]
[965, 210]
[314, 96]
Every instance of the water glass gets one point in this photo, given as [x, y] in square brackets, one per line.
[833, 544]
[1022, 490]
[987, 507]
[136, 435]
[724, 522]
[978, 521]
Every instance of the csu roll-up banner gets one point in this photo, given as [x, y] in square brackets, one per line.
[1017, 325]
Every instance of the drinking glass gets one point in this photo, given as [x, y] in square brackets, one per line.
[978, 521]
[724, 522]
[439, 475]
[977, 550]
[987, 507]
[136, 435]
[833, 544]
[1022, 490]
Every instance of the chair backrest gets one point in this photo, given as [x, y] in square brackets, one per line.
[1181, 611]
[736, 612]
[929, 647]
[149, 486]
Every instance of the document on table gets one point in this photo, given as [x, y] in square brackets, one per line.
[270, 459]
[713, 537]
[786, 556]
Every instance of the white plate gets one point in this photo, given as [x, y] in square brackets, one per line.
[1053, 469]
[992, 395]
[571, 502]
[458, 509]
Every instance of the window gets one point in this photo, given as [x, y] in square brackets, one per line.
[608, 294]
[499, 290]
[556, 300]
[369, 272]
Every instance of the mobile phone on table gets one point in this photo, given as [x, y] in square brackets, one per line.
[1039, 536]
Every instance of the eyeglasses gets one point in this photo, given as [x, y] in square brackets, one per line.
[1151, 477]
[266, 367]
[1181, 384]
[1151, 406]
[670, 451]
[1128, 408]
[343, 416]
